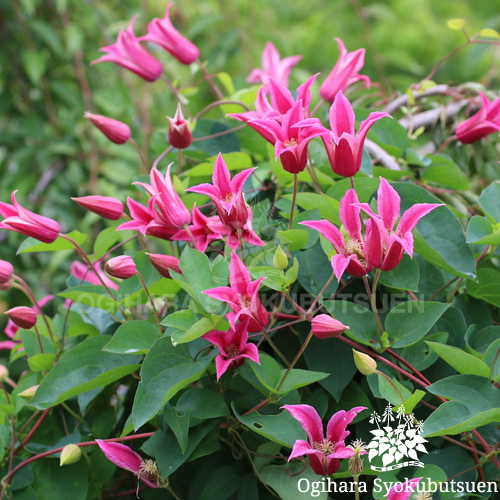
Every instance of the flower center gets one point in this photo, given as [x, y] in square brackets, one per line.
[245, 300]
[228, 197]
[353, 246]
[149, 470]
[326, 447]
[291, 142]
[232, 351]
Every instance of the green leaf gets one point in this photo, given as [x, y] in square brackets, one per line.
[165, 371]
[407, 323]
[456, 23]
[234, 161]
[83, 368]
[443, 170]
[282, 428]
[54, 483]
[462, 362]
[404, 277]
[360, 320]
[491, 356]
[294, 239]
[105, 240]
[204, 325]
[489, 201]
[91, 296]
[391, 135]
[179, 424]
[35, 65]
[202, 403]
[328, 207]
[410, 403]
[389, 392]
[488, 288]
[133, 337]
[481, 232]
[475, 402]
[41, 362]
[432, 240]
[34, 245]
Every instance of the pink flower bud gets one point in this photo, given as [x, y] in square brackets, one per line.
[22, 316]
[179, 134]
[6, 272]
[105, 206]
[325, 327]
[164, 264]
[122, 267]
[115, 131]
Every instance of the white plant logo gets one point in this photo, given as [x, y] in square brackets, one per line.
[393, 444]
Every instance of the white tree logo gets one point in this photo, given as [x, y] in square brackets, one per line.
[393, 444]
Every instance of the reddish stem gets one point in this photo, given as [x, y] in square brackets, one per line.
[33, 430]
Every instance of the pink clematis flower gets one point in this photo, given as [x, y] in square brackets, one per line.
[344, 146]
[485, 122]
[242, 296]
[290, 139]
[126, 458]
[279, 102]
[105, 206]
[227, 195]
[115, 131]
[163, 33]
[165, 214]
[324, 453]
[344, 74]
[233, 347]
[20, 220]
[273, 67]
[128, 53]
[403, 491]
[386, 244]
[179, 133]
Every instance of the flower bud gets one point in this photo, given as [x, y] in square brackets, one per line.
[280, 260]
[164, 264]
[115, 131]
[22, 316]
[7, 285]
[70, 454]
[4, 373]
[122, 267]
[105, 206]
[28, 393]
[324, 326]
[6, 272]
[364, 363]
[179, 133]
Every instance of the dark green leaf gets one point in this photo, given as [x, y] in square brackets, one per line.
[133, 337]
[489, 201]
[404, 277]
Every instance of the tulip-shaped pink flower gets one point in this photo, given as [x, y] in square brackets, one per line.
[233, 346]
[22, 316]
[130, 54]
[324, 326]
[105, 206]
[344, 146]
[115, 131]
[350, 253]
[179, 134]
[122, 267]
[20, 220]
[386, 244]
[290, 139]
[279, 102]
[324, 453]
[344, 74]
[163, 33]
[227, 195]
[126, 458]
[6, 272]
[242, 296]
[485, 122]
[273, 67]
[403, 491]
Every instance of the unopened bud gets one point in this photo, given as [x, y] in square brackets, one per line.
[6, 272]
[105, 206]
[115, 131]
[29, 392]
[7, 285]
[70, 454]
[179, 134]
[164, 264]
[364, 363]
[122, 267]
[280, 260]
[4, 373]
[22, 316]
[324, 326]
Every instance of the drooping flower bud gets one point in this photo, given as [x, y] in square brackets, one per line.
[324, 326]
[164, 264]
[364, 363]
[6, 272]
[105, 206]
[22, 316]
[115, 131]
[29, 392]
[179, 133]
[122, 267]
[70, 454]
[280, 260]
